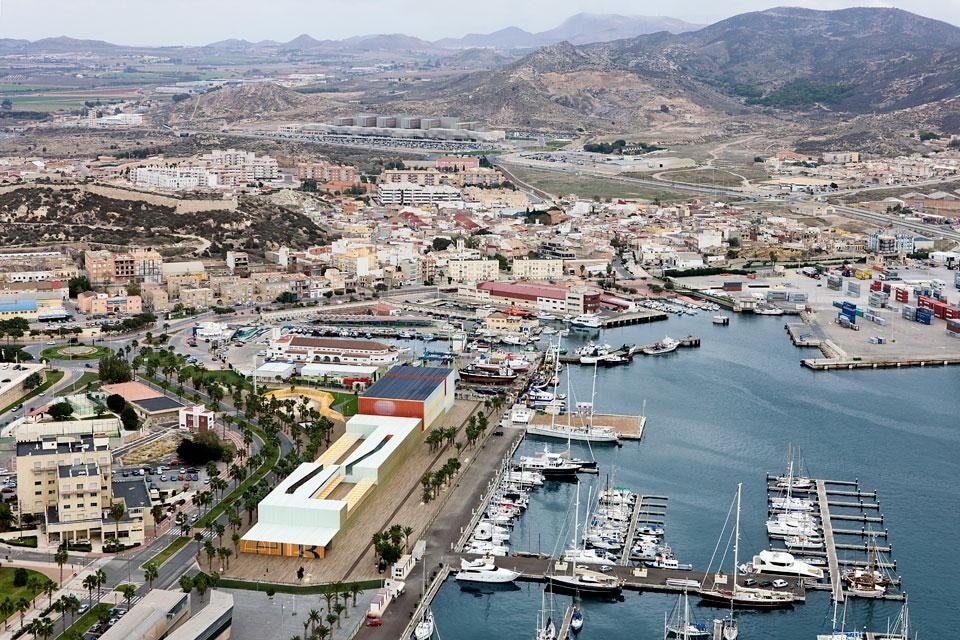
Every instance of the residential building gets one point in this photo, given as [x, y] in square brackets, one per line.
[541, 297]
[406, 193]
[498, 323]
[101, 304]
[138, 265]
[238, 262]
[472, 270]
[529, 269]
[236, 168]
[458, 163]
[172, 178]
[325, 171]
[67, 482]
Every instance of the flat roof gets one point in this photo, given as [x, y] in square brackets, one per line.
[62, 444]
[321, 368]
[408, 383]
[161, 403]
[131, 391]
[343, 344]
[143, 617]
[133, 492]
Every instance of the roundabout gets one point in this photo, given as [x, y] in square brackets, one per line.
[75, 352]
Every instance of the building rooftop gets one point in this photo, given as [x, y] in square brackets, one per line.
[133, 492]
[408, 383]
[155, 609]
[335, 343]
[161, 403]
[89, 470]
[130, 391]
[62, 445]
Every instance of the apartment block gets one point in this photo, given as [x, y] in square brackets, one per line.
[473, 270]
[101, 304]
[235, 168]
[172, 178]
[528, 269]
[66, 481]
[327, 172]
[139, 265]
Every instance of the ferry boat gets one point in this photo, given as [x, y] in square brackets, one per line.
[484, 570]
[784, 564]
[667, 345]
[721, 320]
[586, 321]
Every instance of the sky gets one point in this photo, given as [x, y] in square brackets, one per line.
[192, 22]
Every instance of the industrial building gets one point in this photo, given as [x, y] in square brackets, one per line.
[295, 348]
[307, 511]
[168, 614]
[426, 393]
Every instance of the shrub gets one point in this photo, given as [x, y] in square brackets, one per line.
[115, 402]
[20, 577]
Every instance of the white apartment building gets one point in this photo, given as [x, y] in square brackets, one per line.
[172, 178]
[407, 193]
[527, 269]
[234, 168]
[473, 270]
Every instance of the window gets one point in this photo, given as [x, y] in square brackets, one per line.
[37, 483]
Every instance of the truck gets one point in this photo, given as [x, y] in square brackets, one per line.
[863, 274]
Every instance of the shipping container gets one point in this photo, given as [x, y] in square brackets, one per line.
[733, 286]
[876, 285]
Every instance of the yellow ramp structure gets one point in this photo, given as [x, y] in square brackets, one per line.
[337, 449]
[322, 399]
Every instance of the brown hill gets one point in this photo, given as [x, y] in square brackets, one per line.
[245, 103]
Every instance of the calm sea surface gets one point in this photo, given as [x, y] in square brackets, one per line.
[726, 413]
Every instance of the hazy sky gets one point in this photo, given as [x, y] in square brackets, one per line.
[156, 22]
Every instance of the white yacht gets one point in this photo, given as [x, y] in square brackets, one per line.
[791, 504]
[586, 321]
[484, 570]
[792, 524]
[803, 542]
[481, 548]
[424, 628]
[667, 345]
[589, 556]
[521, 414]
[783, 563]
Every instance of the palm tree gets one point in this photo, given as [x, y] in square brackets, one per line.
[150, 573]
[201, 584]
[211, 551]
[407, 532]
[322, 631]
[90, 583]
[183, 522]
[61, 557]
[156, 511]
[314, 617]
[7, 607]
[355, 590]
[332, 619]
[338, 609]
[49, 587]
[236, 541]
[41, 627]
[23, 605]
[127, 591]
[101, 580]
[117, 511]
[219, 529]
[198, 538]
[186, 583]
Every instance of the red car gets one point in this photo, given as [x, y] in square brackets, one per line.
[373, 621]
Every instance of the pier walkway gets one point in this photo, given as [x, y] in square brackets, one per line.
[836, 582]
[564, 633]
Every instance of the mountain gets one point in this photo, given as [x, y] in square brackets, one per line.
[582, 28]
[850, 59]
[585, 28]
[509, 38]
[246, 102]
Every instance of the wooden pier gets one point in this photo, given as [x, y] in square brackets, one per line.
[836, 582]
[631, 532]
[564, 633]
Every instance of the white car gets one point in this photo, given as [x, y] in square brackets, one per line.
[779, 583]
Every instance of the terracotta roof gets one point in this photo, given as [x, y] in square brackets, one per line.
[338, 343]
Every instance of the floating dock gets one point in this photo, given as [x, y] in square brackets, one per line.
[836, 582]
[828, 364]
[627, 427]
[642, 316]
[564, 633]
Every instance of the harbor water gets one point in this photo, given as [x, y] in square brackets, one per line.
[726, 413]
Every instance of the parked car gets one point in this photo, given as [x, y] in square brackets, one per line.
[779, 583]
[194, 477]
[163, 478]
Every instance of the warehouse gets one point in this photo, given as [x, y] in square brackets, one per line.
[426, 393]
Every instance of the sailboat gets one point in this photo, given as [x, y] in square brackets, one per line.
[679, 625]
[576, 620]
[837, 633]
[424, 628]
[735, 595]
[587, 433]
[872, 581]
[582, 581]
[546, 630]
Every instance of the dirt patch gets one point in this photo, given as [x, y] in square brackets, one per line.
[153, 451]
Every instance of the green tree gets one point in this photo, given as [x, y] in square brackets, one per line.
[61, 557]
[129, 418]
[186, 583]
[127, 591]
[60, 410]
[78, 285]
[117, 511]
[150, 573]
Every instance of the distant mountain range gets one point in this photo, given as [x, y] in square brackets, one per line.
[858, 61]
[582, 28]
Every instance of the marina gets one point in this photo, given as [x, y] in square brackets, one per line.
[853, 514]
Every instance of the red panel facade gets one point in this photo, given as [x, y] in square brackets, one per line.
[391, 407]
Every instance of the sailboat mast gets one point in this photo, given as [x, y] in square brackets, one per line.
[736, 539]
[593, 394]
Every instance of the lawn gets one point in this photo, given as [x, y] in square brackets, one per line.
[345, 403]
[224, 376]
[591, 187]
[53, 377]
[15, 593]
[705, 177]
[84, 622]
[88, 377]
[80, 352]
[29, 541]
[56, 103]
[169, 551]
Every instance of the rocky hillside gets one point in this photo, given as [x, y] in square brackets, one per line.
[36, 215]
[852, 61]
[248, 102]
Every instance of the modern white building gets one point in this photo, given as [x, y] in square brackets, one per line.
[473, 270]
[407, 193]
[527, 269]
[295, 348]
[303, 515]
[172, 178]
